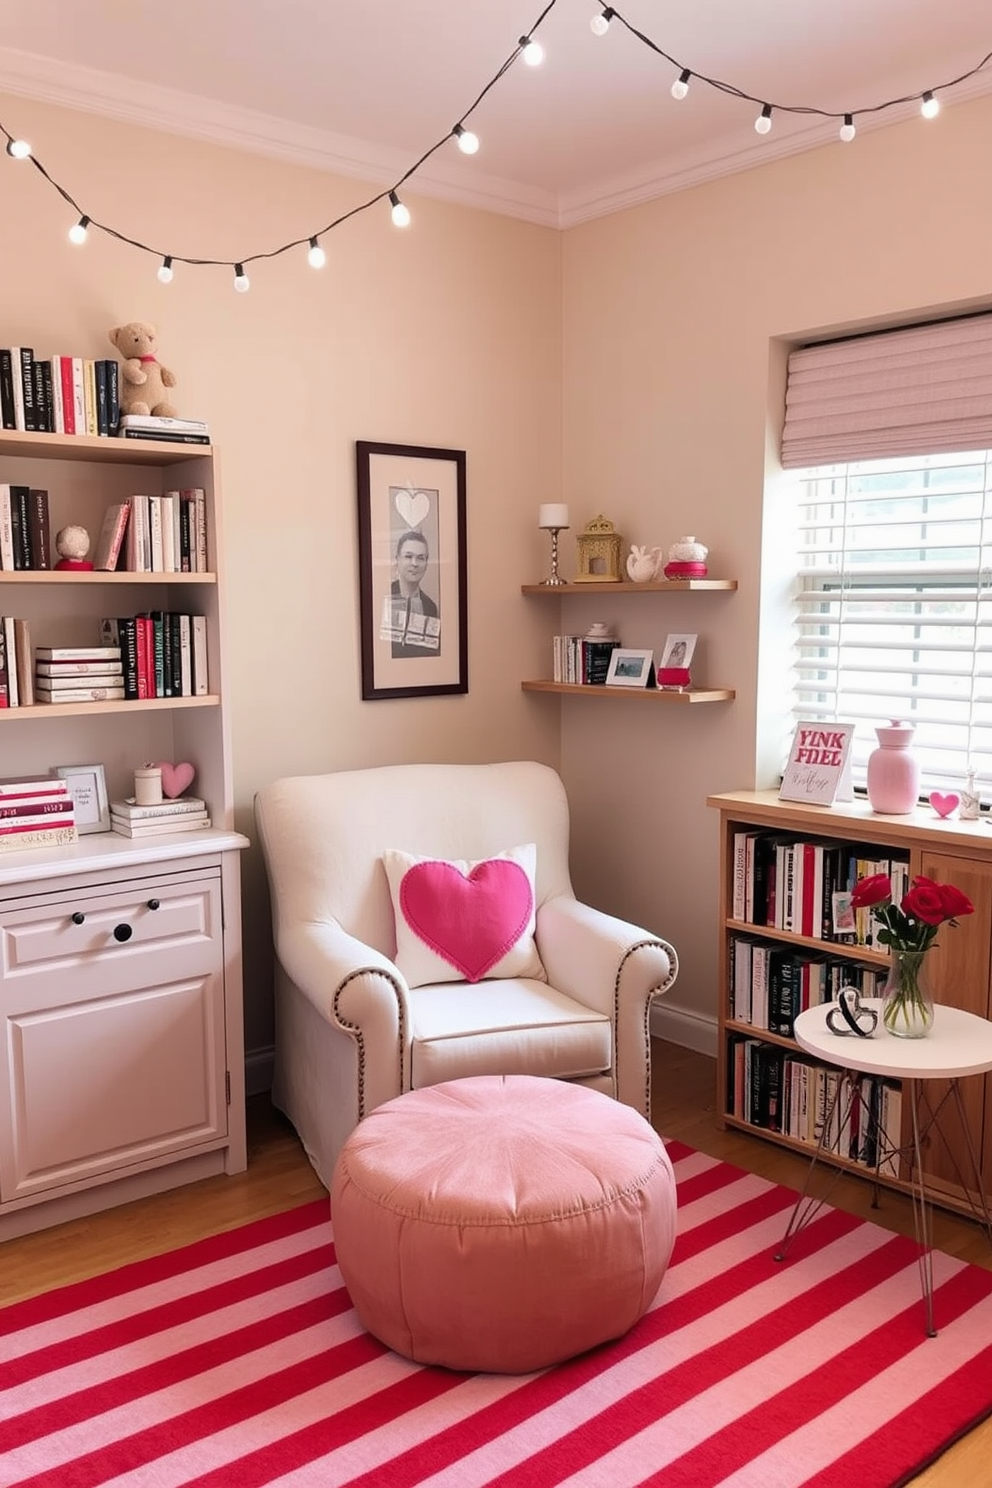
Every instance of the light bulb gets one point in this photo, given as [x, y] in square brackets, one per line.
[18, 149]
[316, 257]
[533, 51]
[763, 122]
[400, 213]
[468, 142]
[77, 233]
[847, 129]
[930, 107]
[680, 87]
[241, 281]
[600, 24]
[165, 270]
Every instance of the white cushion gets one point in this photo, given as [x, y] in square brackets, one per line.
[519, 1027]
[461, 920]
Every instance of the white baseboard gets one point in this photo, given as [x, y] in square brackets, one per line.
[688, 1030]
[258, 1070]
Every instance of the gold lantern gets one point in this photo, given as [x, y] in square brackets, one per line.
[599, 553]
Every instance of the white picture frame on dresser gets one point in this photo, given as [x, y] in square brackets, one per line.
[88, 788]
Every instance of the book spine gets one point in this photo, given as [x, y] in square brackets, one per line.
[19, 502]
[103, 671]
[38, 837]
[7, 416]
[164, 436]
[161, 828]
[39, 813]
[58, 413]
[200, 508]
[201, 680]
[184, 806]
[25, 663]
[155, 539]
[78, 395]
[89, 393]
[27, 388]
[113, 394]
[4, 683]
[185, 533]
[68, 398]
[6, 530]
[39, 535]
[185, 656]
[41, 419]
[79, 694]
[127, 628]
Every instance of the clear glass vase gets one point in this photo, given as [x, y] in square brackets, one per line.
[907, 1002]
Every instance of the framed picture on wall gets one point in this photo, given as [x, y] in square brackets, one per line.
[412, 570]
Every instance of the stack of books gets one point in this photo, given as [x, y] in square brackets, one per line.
[57, 395]
[157, 426]
[36, 813]
[183, 814]
[78, 674]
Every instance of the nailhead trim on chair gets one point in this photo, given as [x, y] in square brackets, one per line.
[356, 1032]
[673, 965]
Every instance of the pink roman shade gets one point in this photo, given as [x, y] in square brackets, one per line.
[925, 390]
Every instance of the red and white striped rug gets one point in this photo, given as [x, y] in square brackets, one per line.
[237, 1362]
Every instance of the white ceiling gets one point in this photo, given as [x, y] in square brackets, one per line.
[364, 88]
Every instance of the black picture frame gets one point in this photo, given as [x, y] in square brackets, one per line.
[414, 623]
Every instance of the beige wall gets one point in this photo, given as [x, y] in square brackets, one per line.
[448, 334]
[631, 366]
[672, 394]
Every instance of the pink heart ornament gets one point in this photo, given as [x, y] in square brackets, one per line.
[944, 804]
[470, 922]
[175, 778]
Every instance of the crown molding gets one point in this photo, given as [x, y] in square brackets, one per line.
[91, 90]
[729, 156]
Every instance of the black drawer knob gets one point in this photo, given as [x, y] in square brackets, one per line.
[123, 932]
[78, 917]
[154, 904]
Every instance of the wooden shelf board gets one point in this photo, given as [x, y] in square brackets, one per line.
[105, 448]
[100, 576]
[690, 695]
[662, 586]
[33, 712]
[845, 949]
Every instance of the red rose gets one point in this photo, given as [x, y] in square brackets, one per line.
[871, 891]
[954, 902]
[924, 902]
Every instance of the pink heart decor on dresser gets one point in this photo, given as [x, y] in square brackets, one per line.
[944, 804]
[175, 778]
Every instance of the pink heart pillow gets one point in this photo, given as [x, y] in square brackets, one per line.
[175, 778]
[463, 921]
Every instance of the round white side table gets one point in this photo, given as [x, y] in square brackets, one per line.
[959, 1044]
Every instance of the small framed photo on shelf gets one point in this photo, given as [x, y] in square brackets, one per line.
[678, 652]
[629, 668]
[87, 785]
[412, 563]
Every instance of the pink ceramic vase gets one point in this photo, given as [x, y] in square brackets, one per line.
[894, 771]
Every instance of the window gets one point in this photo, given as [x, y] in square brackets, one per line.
[895, 604]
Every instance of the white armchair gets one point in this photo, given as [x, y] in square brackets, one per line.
[351, 1034]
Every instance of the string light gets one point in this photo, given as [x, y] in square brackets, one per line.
[468, 142]
[680, 87]
[400, 214]
[532, 53]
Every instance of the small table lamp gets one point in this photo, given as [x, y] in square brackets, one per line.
[553, 517]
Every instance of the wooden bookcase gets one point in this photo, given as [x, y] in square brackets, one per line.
[122, 1069]
[654, 694]
[960, 964]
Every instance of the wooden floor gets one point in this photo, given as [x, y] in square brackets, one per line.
[279, 1177]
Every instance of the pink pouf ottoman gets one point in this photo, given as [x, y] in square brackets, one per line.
[502, 1223]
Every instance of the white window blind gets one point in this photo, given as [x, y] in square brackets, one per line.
[895, 605]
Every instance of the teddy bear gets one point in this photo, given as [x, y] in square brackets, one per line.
[143, 378]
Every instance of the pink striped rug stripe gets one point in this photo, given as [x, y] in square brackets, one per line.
[238, 1363]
